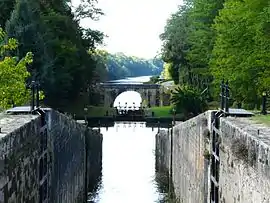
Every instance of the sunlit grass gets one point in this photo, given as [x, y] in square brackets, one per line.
[163, 111]
[263, 119]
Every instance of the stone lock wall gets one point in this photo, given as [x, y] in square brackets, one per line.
[163, 150]
[47, 163]
[245, 158]
[19, 159]
[67, 147]
[190, 168]
[94, 159]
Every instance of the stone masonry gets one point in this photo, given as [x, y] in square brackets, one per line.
[244, 172]
[189, 167]
[245, 162]
[67, 146]
[46, 162]
[19, 158]
[163, 150]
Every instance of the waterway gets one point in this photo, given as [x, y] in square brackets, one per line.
[132, 80]
[129, 172]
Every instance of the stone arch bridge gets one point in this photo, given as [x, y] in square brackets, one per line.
[153, 94]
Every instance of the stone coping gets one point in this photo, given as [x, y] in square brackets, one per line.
[9, 123]
[256, 131]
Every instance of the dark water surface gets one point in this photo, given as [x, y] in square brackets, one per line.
[128, 166]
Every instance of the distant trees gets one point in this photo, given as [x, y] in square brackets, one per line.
[208, 40]
[120, 66]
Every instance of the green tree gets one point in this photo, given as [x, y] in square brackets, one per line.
[188, 42]
[166, 71]
[175, 44]
[13, 73]
[60, 46]
[6, 8]
[240, 53]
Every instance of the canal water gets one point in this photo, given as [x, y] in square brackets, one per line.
[129, 172]
[132, 80]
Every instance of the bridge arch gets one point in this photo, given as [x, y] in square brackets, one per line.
[131, 99]
[150, 93]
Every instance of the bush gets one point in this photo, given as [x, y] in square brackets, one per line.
[188, 100]
[13, 74]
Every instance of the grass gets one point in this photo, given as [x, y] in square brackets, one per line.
[163, 111]
[264, 119]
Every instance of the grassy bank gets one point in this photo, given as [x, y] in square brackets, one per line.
[263, 119]
[164, 111]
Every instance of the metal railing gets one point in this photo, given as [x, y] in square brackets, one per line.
[224, 96]
[35, 87]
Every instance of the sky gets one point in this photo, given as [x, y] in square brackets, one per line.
[133, 26]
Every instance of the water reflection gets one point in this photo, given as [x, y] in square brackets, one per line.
[136, 80]
[129, 172]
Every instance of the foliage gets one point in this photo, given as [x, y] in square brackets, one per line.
[167, 67]
[13, 73]
[188, 100]
[241, 48]
[51, 31]
[188, 41]
[154, 80]
[165, 111]
[206, 41]
[6, 9]
[265, 119]
[120, 66]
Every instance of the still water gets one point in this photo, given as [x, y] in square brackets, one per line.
[128, 166]
[133, 80]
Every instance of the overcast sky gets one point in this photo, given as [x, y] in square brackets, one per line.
[133, 26]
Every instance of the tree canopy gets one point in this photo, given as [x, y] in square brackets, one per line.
[60, 46]
[206, 41]
[13, 74]
[119, 65]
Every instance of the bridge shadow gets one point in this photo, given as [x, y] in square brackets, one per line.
[151, 123]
